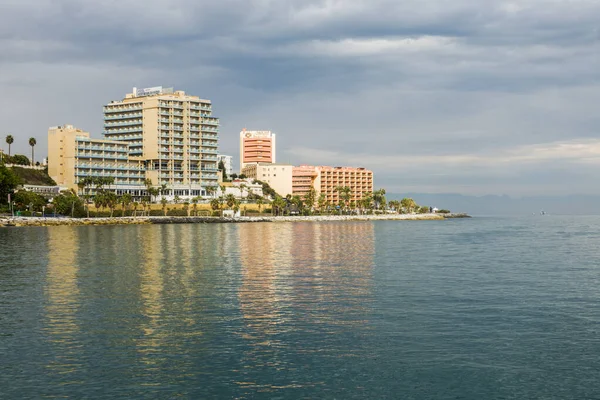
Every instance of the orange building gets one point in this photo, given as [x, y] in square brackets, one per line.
[256, 147]
[326, 179]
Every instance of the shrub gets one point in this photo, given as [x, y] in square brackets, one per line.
[177, 213]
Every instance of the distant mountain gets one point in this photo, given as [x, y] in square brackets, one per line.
[506, 205]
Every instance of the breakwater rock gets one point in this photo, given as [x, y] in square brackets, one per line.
[49, 221]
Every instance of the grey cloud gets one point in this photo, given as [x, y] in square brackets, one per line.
[364, 79]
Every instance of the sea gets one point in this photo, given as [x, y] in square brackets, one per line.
[481, 308]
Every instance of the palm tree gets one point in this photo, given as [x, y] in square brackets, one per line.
[260, 202]
[310, 198]
[408, 204]
[195, 205]
[230, 199]
[322, 202]
[379, 198]
[278, 205]
[100, 201]
[153, 192]
[111, 202]
[164, 189]
[144, 205]
[163, 201]
[125, 201]
[10, 140]
[32, 143]
[135, 207]
[215, 204]
[394, 204]
[345, 193]
[211, 190]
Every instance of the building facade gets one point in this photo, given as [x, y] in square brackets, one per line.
[73, 156]
[326, 179]
[256, 147]
[159, 134]
[278, 176]
[174, 133]
[227, 163]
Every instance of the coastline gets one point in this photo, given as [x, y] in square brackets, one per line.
[50, 221]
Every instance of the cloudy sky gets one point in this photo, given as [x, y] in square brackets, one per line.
[466, 96]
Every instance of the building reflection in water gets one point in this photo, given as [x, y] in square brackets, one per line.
[302, 279]
[62, 304]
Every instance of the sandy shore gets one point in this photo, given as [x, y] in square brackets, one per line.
[49, 221]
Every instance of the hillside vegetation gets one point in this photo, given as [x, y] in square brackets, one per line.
[32, 177]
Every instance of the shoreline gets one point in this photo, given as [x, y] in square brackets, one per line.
[51, 221]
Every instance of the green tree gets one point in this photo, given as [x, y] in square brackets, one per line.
[310, 198]
[8, 182]
[395, 205]
[222, 170]
[126, 200]
[135, 207]
[144, 204]
[267, 190]
[186, 207]
[32, 143]
[100, 200]
[20, 159]
[164, 202]
[211, 190]
[322, 202]
[111, 202]
[215, 204]
[24, 199]
[297, 201]
[9, 140]
[230, 200]
[195, 205]
[176, 199]
[408, 204]
[260, 202]
[67, 203]
[345, 193]
[379, 198]
[278, 205]
[367, 201]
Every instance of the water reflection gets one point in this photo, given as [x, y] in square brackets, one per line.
[299, 280]
[62, 302]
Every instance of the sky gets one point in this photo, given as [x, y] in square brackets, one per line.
[474, 97]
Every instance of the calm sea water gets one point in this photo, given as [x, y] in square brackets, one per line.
[486, 308]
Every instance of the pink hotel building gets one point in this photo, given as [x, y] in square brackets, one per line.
[327, 179]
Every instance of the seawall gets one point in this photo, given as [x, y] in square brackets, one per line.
[49, 221]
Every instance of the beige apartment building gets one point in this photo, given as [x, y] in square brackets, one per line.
[159, 134]
[73, 155]
[175, 133]
[278, 176]
[256, 147]
[326, 179]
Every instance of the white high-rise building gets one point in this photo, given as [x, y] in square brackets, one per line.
[227, 162]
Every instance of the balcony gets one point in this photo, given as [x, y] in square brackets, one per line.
[207, 121]
[120, 109]
[124, 123]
